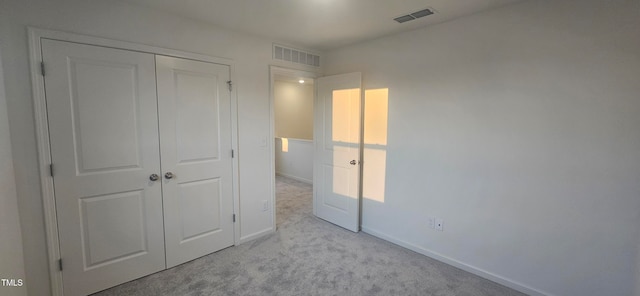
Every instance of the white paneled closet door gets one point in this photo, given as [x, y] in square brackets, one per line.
[195, 135]
[141, 153]
[103, 124]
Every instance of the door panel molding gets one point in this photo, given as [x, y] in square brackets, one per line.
[36, 36]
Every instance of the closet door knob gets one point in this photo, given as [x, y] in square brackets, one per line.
[154, 177]
[169, 175]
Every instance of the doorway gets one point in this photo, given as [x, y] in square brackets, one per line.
[292, 108]
[334, 158]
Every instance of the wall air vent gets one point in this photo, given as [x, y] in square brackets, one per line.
[414, 15]
[297, 56]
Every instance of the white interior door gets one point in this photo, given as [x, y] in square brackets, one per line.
[195, 136]
[337, 152]
[101, 107]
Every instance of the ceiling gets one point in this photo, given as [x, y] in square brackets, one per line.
[319, 24]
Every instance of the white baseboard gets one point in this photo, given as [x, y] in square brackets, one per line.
[256, 235]
[303, 180]
[466, 267]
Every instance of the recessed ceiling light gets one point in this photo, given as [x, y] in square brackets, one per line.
[301, 81]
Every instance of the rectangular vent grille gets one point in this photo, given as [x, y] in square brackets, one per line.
[414, 15]
[295, 56]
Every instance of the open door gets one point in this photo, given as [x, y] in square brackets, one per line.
[337, 133]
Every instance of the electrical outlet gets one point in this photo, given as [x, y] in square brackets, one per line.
[265, 205]
[439, 224]
[431, 222]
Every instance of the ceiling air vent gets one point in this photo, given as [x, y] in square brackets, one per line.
[297, 56]
[414, 15]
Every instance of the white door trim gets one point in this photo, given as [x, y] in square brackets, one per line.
[42, 129]
[273, 71]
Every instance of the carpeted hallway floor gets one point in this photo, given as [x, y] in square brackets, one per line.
[308, 256]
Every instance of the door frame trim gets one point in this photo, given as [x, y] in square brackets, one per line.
[273, 71]
[35, 36]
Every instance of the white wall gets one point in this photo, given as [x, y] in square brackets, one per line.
[520, 128]
[127, 22]
[295, 160]
[11, 259]
[293, 110]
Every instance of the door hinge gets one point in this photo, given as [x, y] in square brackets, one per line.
[51, 170]
[234, 218]
[42, 68]
[60, 264]
[230, 84]
[233, 154]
